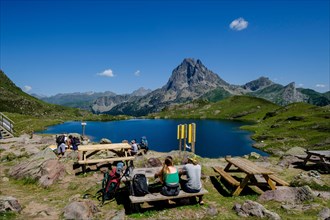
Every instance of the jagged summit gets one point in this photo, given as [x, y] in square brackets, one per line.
[141, 92]
[192, 73]
[257, 84]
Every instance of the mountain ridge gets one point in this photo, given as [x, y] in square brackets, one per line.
[191, 80]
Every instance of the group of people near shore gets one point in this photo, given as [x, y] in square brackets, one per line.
[171, 180]
[66, 142]
[136, 146]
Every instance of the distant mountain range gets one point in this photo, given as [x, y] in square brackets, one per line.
[191, 80]
[85, 100]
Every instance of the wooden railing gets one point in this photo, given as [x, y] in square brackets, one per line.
[6, 124]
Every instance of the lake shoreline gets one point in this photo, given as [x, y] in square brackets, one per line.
[214, 138]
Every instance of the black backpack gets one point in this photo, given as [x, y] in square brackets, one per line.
[75, 141]
[140, 185]
[60, 139]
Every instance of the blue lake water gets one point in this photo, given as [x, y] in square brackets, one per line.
[214, 138]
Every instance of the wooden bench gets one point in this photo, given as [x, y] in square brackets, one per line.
[141, 152]
[226, 176]
[278, 181]
[158, 197]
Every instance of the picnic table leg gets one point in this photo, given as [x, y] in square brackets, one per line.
[306, 159]
[324, 163]
[135, 207]
[242, 185]
[269, 181]
[84, 157]
[227, 167]
[253, 180]
[83, 168]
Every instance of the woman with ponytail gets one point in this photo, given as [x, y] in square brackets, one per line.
[169, 177]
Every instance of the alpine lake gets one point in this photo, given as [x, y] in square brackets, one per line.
[214, 138]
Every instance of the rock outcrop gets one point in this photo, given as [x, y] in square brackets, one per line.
[9, 203]
[310, 178]
[80, 210]
[251, 208]
[44, 167]
[293, 195]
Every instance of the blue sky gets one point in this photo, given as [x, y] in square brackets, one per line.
[50, 47]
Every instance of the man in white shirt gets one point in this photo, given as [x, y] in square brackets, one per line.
[134, 148]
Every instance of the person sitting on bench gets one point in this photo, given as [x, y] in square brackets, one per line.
[169, 177]
[193, 172]
[134, 148]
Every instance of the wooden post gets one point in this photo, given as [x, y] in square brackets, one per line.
[192, 136]
[185, 135]
[179, 136]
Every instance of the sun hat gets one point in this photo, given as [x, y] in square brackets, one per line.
[193, 159]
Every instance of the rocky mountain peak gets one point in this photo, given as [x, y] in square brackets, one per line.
[191, 73]
[290, 94]
[257, 84]
[141, 92]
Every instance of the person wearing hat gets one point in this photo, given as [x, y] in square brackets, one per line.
[134, 148]
[193, 171]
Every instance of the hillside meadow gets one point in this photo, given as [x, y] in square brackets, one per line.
[275, 129]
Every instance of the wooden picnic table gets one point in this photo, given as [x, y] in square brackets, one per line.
[119, 149]
[322, 157]
[252, 172]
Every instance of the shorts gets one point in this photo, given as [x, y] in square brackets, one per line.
[74, 147]
[170, 190]
[187, 189]
[61, 148]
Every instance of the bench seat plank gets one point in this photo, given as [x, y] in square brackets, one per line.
[88, 161]
[158, 197]
[226, 176]
[278, 180]
[114, 146]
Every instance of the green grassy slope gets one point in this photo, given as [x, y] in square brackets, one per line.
[295, 125]
[237, 107]
[275, 129]
[14, 100]
[316, 98]
[31, 114]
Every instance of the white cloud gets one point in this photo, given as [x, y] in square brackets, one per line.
[239, 24]
[320, 86]
[300, 85]
[107, 73]
[137, 73]
[27, 88]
